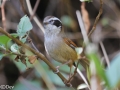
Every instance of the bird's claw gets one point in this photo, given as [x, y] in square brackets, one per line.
[57, 70]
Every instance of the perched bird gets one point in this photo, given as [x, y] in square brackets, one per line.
[57, 45]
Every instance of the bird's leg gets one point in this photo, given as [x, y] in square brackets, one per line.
[57, 67]
[75, 71]
[63, 64]
[69, 79]
[57, 70]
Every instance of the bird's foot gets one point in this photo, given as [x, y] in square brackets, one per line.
[57, 69]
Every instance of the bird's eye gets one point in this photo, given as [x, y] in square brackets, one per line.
[51, 21]
[57, 23]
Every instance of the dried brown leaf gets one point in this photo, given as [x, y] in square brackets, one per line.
[23, 60]
[22, 50]
[17, 58]
[85, 17]
[32, 58]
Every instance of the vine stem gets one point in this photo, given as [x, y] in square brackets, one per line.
[97, 18]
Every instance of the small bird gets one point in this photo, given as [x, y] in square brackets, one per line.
[56, 44]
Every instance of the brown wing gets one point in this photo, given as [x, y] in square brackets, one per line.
[70, 43]
[85, 62]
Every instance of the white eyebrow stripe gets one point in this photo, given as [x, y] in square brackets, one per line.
[54, 18]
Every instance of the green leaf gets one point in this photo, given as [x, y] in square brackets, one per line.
[29, 85]
[55, 79]
[91, 52]
[2, 46]
[24, 26]
[23, 39]
[14, 48]
[113, 72]
[4, 39]
[99, 67]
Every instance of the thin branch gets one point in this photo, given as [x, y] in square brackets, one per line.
[97, 18]
[3, 14]
[34, 18]
[86, 41]
[23, 8]
[81, 24]
[80, 73]
[39, 55]
[75, 71]
[8, 51]
[30, 41]
[17, 54]
[35, 8]
[31, 17]
[85, 16]
[105, 54]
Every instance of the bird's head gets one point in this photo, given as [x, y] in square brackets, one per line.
[52, 25]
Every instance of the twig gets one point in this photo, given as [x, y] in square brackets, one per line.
[80, 73]
[3, 14]
[83, 30]
[30, 41]
[34, 18]
[75, 71]
[39, 55]
[86, 41]
[97, 18]
[105, 54]
[23, 8]
[83, 77]
[35, 8]
[13, 52]
[17, 53]
[85, 16]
